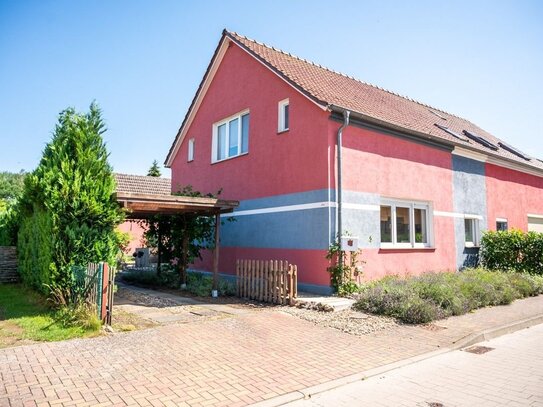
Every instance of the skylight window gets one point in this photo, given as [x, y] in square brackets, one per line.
[480, 140]
[513, 150]
[437, 114]
[452, 133]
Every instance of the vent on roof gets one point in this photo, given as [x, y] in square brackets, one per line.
[513, 150]
[452, 133]
[480, 140]
[437, 114]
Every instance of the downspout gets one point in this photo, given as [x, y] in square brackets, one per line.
[339, 190]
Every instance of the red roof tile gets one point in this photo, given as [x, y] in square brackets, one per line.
[139, 184]
[330, 88]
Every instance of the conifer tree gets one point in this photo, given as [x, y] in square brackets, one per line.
[154, 171]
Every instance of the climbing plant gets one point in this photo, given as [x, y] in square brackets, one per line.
[344, 273]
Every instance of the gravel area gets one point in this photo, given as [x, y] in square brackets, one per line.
[125, 293]
[348, 321]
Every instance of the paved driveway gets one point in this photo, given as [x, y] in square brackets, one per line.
[231, 361]
[511, 374]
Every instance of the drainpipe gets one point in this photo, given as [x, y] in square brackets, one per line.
[339, 192]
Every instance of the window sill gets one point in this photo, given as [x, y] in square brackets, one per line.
[406, 249]
[229, 158]
[471, 246]
[283, 131]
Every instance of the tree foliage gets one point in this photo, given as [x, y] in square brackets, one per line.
[154, 171]
[182, 237]
[68, 212]
[11, 188]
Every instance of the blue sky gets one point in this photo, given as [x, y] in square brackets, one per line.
[142, 61]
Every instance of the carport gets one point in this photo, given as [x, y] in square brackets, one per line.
[143, 205]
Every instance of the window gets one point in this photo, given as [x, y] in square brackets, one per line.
[471, 229]
[283, 116]
[191, 150]
[405, 224]
[501, 225]
[231, 137]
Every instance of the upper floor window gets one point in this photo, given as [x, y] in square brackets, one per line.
[231, 137]
[283, 116]
[191, 150]
[405, 224]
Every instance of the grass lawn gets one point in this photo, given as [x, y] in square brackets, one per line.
[26, 318]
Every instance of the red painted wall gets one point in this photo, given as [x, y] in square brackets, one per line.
[134, 229]
[512, 195]
[394, 168]
[274, 161]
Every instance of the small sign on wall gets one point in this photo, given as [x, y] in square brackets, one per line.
[349, 243]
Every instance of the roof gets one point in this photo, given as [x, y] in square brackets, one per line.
[145, 196]
[143, 184]
[333, 91]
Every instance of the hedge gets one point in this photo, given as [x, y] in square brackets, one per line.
[512, 250]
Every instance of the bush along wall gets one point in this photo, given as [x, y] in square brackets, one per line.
[68, 212]
[512, 250]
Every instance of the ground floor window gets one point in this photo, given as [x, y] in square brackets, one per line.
[405, 224]
[501, 225]
[471, 232]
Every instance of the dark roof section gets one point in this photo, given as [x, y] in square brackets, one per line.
[480, 140]
[329, 88]
[452, 133]
[139, 184]
[513, 150]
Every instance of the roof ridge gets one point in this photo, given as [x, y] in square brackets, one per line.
[342, 74]
[137, 175]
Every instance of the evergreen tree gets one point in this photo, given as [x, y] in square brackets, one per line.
[154, 171]
[69, 214]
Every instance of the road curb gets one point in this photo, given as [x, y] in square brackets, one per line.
[460, 343]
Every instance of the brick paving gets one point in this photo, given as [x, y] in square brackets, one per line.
[234, 361]
[509, 375]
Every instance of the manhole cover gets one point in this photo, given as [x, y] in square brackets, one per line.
[478, 350]
[434, 404]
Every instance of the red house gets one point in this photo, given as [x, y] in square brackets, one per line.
[415, 184]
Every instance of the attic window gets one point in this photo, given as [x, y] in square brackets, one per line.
[437, 114]
[283, 116]
[452, 133]
[513, 150]
[480, 140]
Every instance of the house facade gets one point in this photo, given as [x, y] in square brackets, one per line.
[418, 185]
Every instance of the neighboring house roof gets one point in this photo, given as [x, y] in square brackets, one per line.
[139, 184]
[335, 91]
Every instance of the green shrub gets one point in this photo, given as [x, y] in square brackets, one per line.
[166, 279]
[438, 295]
[201, 285]
[68, 211]
[81, 315]
[512, 250]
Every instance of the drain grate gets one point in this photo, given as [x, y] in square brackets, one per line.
[478, 350]
[434, 404]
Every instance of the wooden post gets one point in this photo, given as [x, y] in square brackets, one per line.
[290, 285]
[159, 249]
[216, 252]
[238, 291]
[105, 283]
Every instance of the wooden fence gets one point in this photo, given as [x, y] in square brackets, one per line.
[96, 282]
[267, 280]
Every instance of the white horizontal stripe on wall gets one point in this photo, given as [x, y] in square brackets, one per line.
[457, 215]
[326, 204]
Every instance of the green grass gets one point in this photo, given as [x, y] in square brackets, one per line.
[434, 296]
[25, 316]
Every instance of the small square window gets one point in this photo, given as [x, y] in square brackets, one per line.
[471, 229]
[191, 150]
[501, 225]
[283, 116]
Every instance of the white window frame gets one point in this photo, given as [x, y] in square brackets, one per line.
[190, 152]
[475, 224]
[281, 116]
[215, 137]
[412, 205]
[502, 220]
